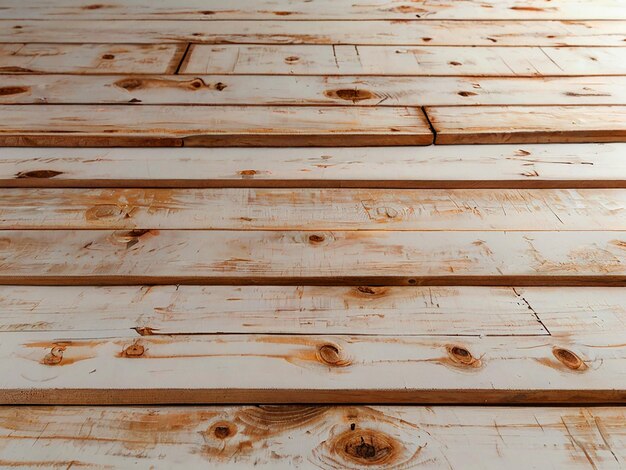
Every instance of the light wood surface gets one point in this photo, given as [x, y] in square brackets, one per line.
[114, 126]
[315, 209]
[301, 257]
[351, 437]
[383, 91]
[459, 166]
[522, 124]
[309, 59]
[383, 32]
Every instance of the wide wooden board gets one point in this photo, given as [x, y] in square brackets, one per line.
[300, 257]
[383, 32]
[361, 310]
[459, 166]
[235, 59]
[525, 124]
[269, 90]
[287, 437]
[88, 58]
[120, 125]
[321, 9]
[314, 209]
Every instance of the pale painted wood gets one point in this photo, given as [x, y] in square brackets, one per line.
[235, 59]
[522, 124]
[273, 90]
[297, 257]
[383, 32]
[89, 58]
[274, 437]
[103, 367]
[320, 9]
[120, 125]
[361, 310]
[529, 165]
[314, 209]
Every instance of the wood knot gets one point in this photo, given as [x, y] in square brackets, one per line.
[38, 174]
[316, 238]
[466, 93]
[103, 211]
[55, 356]
[219, 86]
[350, 94]
[455, 63]
[292, 59]
[367, 447]
[332, 355]
[13, 90]
[370, 291]
[95, 6]
[196, 83]
[131, 238]
[108, 56]
[223, 430]
[569, 359]
[145, 330]
[129, 84]
[462, 357]
[248, 173]
[134, 350]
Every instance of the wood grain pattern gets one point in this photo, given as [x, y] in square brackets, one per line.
[520, 124]
[119, 125]
[459, 166]
[236, 59]
[350, 437]
[103, 367]
[320, 257]
[361, 310]
[383, 32]
[323, 9]
[314, 209]
[89, 58]
[269, 90]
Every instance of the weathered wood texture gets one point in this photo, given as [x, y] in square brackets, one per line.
[460, 166]
[523, 124]
[383, 32]
[322, 9]
[297, 257]
[119, 125]
[350, 437]
[311, 90]
[237, 59]
[361, 310]
[314, 209]
[88, 58]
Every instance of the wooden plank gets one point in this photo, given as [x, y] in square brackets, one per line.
[322, 9]
[383, 32]
[351, 437]
[104, 367]
[317, 257]
[460, 166]
[120, 125]
[523, 124]
[314, 209]
[236, 59]
[270, 90]
[89, 58]
[362, 310]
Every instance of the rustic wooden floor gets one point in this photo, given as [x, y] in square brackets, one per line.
[329, 303]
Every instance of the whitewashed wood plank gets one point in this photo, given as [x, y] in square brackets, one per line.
[314, 209]
[320, 9]
[384, 32]
[287, 437]
[236, 59]
[270, 90]
[504, 166]
[89, 58]
[295, 257]
[119, 125]
[100, 367]
[361, 310]
[525, 124]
